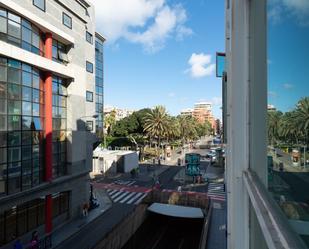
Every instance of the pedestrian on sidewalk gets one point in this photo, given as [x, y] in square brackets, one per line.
[35, 240]
[85, 209]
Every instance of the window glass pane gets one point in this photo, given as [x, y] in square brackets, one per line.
[3, 25]
[32, 216]
[26, 35]
[3, 139]
[26, 137]
[35, 109]
[26, 152]
[13, 122]
[26, 123]
[36, 81]
[67, 21]
[35, 40]
[3, 152]
[3, 172]
[14, 138]
[14, 154]
[14, 107]
[89, 67]
[35, 151]
[2, 90]
[40, 4]
[14, 17]
[35, 95]
[25, 23]
[14, 29]
[26, 108]
[10, 224]
[36, 137]
[3, 106]
[37, 124]
[14, 63]
[14, 91]
[26, 181]
[26, 68]
[3, 73]
[27, 93]
[14, 75]
[26, 78]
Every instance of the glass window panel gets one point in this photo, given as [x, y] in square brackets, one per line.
[35, 151]
[3, 12]
[36, 82]
[14, 107]
[35, 95]
[63, 124]
[37, 124]
[3, 139]
[26, 108]
[67, 21]
[14, 91]
[40, 4]
[3, 73]
[14, 122]
[14, 75]
[14, 63]
[3, 106]
[26, 181]
[14, 29]
[26, 152]
[89, 67]
[26, 79]
[3, 177]
[27, 93]
[26, 123]
[14, 138]
[3, 90]
[3, 126]
[27, 167]
[14, 154]
[26, 35]
[55, 100]
[25, 23]
[26, 137]
[36, 137]
[3, 157]
[35, 40]
[3, 24]
[55, 87]
[35, 109]
[56, 205]
[35, 178]
[26, 68]
[14, 17]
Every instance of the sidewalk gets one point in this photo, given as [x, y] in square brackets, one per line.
[70, 229]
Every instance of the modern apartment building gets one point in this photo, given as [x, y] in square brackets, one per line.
[203, 112]
[47, 113]
[187, 112]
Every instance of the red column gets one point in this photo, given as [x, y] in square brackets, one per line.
[48, 133]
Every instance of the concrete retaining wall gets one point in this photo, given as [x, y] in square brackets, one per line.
[117, 238]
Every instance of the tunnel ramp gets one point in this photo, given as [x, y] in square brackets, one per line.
[176, 211]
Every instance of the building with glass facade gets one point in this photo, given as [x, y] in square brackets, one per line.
[99, 40]
[46, 55]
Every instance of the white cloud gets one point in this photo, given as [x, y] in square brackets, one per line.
[146, 22]
[200, 65]
[288, 86]
[298, 9]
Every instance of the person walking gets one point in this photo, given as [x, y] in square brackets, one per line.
[85, 209]
[35, 240]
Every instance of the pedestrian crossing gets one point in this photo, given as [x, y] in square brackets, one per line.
[123, 182]
[125, 196]
[216, 191]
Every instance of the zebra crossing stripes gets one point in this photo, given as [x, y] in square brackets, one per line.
[216, 191]
[124, 196]
[123, 182]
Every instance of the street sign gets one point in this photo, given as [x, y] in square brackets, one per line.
[192, 164]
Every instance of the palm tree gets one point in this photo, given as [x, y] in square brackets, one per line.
[288, 127]
[156, 123]
[187, 128]
[273, 119]
[173, 129]
[302, 117]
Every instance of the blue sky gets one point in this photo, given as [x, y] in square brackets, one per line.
[161, 52]
[288, 52]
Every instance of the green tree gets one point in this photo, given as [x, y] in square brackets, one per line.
[302, 117]
[156, 123]
[110, 121]
[273, 120]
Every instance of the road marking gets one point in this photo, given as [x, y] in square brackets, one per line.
[140, 199]
[123, 194]
[127, 197]
[134, 198]
[116, 194]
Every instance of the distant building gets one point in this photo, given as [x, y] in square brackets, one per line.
[271, 108]
[120, 113]
[187, 112]
[203, 112]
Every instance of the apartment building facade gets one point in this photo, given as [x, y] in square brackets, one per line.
[203, 112]
[47, 114]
